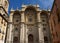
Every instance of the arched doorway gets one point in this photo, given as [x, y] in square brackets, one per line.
[15, 40]
[30, 38]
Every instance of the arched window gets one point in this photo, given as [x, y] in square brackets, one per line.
[30, 18]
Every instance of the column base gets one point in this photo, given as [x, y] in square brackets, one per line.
[9, 42]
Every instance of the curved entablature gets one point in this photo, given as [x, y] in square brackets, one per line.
[44, 12]
[31, 7]
[16, 12]
[36, 7]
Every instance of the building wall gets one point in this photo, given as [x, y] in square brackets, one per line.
[3, 20]
[3, 27]
[54, 21]
[4, 4]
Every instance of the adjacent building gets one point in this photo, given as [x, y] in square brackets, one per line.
[3, 20]
[54, 21]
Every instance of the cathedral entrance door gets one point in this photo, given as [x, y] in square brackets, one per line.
[30, 38]
[15, 40]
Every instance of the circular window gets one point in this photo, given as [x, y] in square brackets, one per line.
[17, 20]
[44, 28]
[30, 19]
[16, 29]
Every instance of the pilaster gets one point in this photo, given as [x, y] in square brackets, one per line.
[10, 40]
[26, 34]
[22, 28]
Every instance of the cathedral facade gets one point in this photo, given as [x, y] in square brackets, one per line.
[28, 25]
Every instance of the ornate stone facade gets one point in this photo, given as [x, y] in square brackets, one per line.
[26, 26]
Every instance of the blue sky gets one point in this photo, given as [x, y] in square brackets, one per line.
[44, 4]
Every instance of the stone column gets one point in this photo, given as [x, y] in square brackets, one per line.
[10, 29]
[41, 36]
[22, 28]
[26, 34]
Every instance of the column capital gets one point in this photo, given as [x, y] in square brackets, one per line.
[38, 17]
[22, 17]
